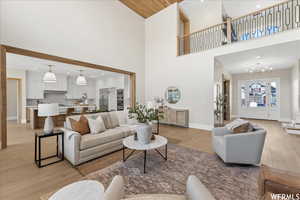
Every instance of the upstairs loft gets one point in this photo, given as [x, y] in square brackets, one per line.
[265, 22]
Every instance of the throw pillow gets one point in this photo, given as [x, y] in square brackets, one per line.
[238, 126]
[96, 125]
[106, 120]
[114, 119]
[81, 126]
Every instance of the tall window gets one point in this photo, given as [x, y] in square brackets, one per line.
[243, 96]
[257, 95]
[273, 97]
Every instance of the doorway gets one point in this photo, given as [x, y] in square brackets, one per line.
[259, 99]
[14, 101]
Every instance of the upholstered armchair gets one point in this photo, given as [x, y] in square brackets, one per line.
[195, 190]
[276, 181]
[241, 148]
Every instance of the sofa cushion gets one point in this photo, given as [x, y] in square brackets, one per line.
[91, 140]
[96, 125]
[81, 126]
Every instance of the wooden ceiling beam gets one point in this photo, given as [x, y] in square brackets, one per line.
[147, 8]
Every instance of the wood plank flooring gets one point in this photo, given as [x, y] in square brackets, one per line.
[21, 179]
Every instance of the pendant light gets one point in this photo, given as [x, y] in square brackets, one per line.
[81, 80]
[49, 77]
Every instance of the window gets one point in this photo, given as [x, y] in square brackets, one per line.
[243, 96]
[273, 97]
[257, 95]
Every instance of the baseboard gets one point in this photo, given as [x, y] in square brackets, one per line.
[234, 116]
[201, 126]
[285, 120]
[12, 118]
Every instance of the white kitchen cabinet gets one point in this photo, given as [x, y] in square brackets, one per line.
[34, 85]
[60, 85]
[91, 89]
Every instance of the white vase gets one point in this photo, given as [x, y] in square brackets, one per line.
[144, 133]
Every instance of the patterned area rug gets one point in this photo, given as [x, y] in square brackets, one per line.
[225, 182]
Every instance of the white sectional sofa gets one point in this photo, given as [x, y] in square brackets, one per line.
[81, 148]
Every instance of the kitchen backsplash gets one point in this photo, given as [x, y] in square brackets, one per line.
[59, 98]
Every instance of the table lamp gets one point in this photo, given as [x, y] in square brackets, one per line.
[48, 110]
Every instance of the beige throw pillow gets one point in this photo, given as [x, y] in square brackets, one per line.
[114, 120]
[106, 120]
[96, 125]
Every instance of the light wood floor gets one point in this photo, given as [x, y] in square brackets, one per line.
[21, 179]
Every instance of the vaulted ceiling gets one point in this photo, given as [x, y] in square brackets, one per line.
[147, 8]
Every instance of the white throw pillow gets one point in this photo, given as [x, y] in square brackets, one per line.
[96, 125]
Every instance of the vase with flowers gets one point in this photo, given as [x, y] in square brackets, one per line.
[145, 115]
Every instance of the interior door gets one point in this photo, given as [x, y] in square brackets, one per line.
[259, 99]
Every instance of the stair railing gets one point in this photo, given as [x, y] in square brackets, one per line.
[268, 21]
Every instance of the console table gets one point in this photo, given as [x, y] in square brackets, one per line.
[175, 116]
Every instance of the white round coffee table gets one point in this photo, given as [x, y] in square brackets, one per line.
[81, 190]
[159, 141]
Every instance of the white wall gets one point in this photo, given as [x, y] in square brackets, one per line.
[19, 74]
[12, 99]
[202, 14]
[193, 73]
[295, 83]
[285, 90]
[101, 32]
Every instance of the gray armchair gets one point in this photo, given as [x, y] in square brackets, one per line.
[243, 148]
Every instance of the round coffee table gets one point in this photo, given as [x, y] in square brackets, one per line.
[159, 141]
[81, 190]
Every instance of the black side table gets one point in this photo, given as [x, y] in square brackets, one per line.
[37, 150]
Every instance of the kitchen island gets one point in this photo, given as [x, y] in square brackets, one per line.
[35, 122]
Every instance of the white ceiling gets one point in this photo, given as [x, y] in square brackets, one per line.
[277, 56]
[237, 8]
[206, 13]
[34, 64]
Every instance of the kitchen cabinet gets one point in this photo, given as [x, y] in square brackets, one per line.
[34, 85]
[75, 91]
[60, 85]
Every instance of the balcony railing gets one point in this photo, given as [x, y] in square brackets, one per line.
[278, 18]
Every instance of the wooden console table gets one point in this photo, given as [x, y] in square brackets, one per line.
[175, 116]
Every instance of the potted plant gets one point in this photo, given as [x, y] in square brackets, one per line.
[144, 115]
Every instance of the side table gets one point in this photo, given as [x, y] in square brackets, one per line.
[37, 147]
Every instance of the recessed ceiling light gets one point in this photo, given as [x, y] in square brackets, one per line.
[258, 57]
[258, 6]
[202, 1]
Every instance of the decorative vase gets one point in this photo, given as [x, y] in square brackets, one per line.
[144, 133]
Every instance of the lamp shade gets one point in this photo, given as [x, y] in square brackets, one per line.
[49, 77]
[47, 110]
[81, 80]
